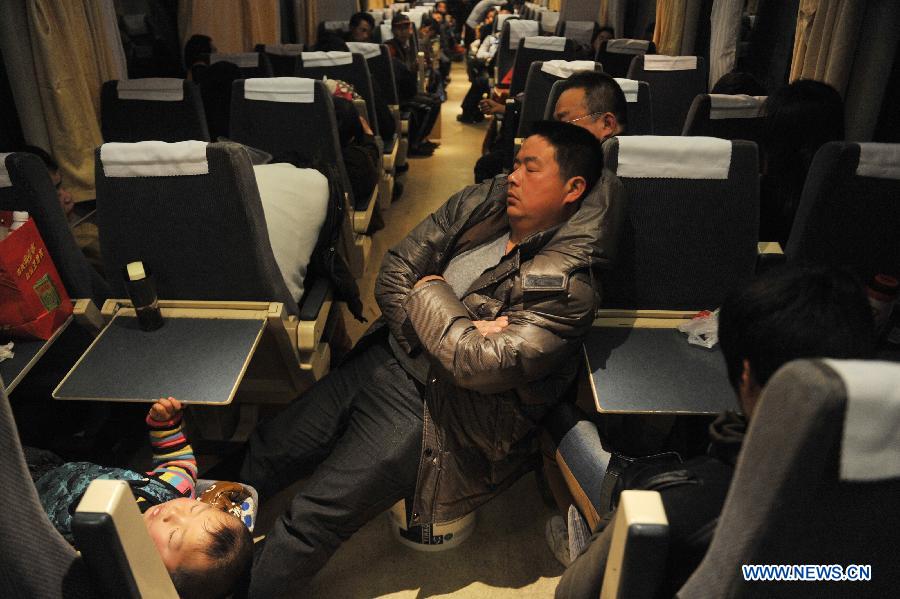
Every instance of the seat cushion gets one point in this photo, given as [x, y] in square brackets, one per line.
[295, 203]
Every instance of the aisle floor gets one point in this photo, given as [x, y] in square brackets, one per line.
[507, 555]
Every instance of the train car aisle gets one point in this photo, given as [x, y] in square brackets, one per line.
[507, 555]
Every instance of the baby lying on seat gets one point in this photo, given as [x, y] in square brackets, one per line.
[205, 548]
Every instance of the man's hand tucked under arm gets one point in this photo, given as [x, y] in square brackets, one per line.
[489, 327]
[426, 279]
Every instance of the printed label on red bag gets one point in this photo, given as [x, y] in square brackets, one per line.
[46, 291]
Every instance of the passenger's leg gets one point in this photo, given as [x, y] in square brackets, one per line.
[290, 445]
[373, 464]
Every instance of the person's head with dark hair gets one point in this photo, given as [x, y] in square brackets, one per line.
[800, 118]
[362, 24]
[331, 42]
[66, 201]
[428, 28]
[197, 50]
[205, 549]
[555, 168]
[349, 125]
[738, 82]
[602, 34]
[593, 101]
[440, 7]
[401, 27]
[788, 314]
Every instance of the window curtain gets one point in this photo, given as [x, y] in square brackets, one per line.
[669, 30]
[554, 5]
[612, 14]
[373, 4]
[234, 26]
[826, 39]
[306, 20]
[725, 28]
[336, 10]
[74, 49]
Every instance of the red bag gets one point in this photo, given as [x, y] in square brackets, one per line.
[33, 301]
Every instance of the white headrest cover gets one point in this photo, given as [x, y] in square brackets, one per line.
[386, 33]
[580, 31]
[627, 46]
[501, 19]
[154, 159]
[673, 157]
[4, 174]
[550, 19]
[870, 447]
[661, 62]
[630, 88]
[881, 161]
[377, 15]
[285, 49]
[336, 25]
[367, 49]
[544, 42]
[326, 59]
[159, 89]
[297, 90]
[245, 60]
[519, 29]
[566, 68]
[415, 16]
[738, 106]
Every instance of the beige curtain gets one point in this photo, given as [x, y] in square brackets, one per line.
[554, 5]
[373, 4]
[669, 26]
[826, 40]
[73, 56]
[234, 26]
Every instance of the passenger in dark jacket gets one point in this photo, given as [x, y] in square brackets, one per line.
[485, 303]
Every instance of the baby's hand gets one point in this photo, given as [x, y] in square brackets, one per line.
[165, 409]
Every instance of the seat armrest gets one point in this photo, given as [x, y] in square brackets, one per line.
[113, 540]
[769, 255]
[637, 556]
[313, 317]
[88, 316]
[313, 299]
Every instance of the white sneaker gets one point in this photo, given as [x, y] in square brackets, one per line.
[558, 539]
[578, 533]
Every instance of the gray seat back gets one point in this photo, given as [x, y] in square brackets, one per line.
[849, 213]
[671, 92]
[640, 109]
[581, 32]
[537, 93]
[709, 117]
[308, 130]
[686, 241]
[36, 560]
[791, 500]
[203, 236]
[36, 194]
[514, 29]
[132, 115]
[617, 57]
[283, 58]
[525, 56]
[356, 73]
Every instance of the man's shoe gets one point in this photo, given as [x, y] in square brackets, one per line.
[421, 150]
[578, 532]
[558, 539]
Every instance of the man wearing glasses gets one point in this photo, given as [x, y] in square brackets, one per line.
[593, 101]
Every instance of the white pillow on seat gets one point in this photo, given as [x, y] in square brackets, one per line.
[295, 202]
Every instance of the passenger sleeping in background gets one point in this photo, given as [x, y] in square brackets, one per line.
[206, 550]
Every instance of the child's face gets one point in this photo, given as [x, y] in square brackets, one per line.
[180, 530]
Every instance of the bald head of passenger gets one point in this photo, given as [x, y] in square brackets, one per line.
[593, 101]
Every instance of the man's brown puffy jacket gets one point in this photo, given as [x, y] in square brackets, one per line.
[486, 395]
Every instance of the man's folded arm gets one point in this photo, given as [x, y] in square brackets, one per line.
[414, 257]
[533, 346]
